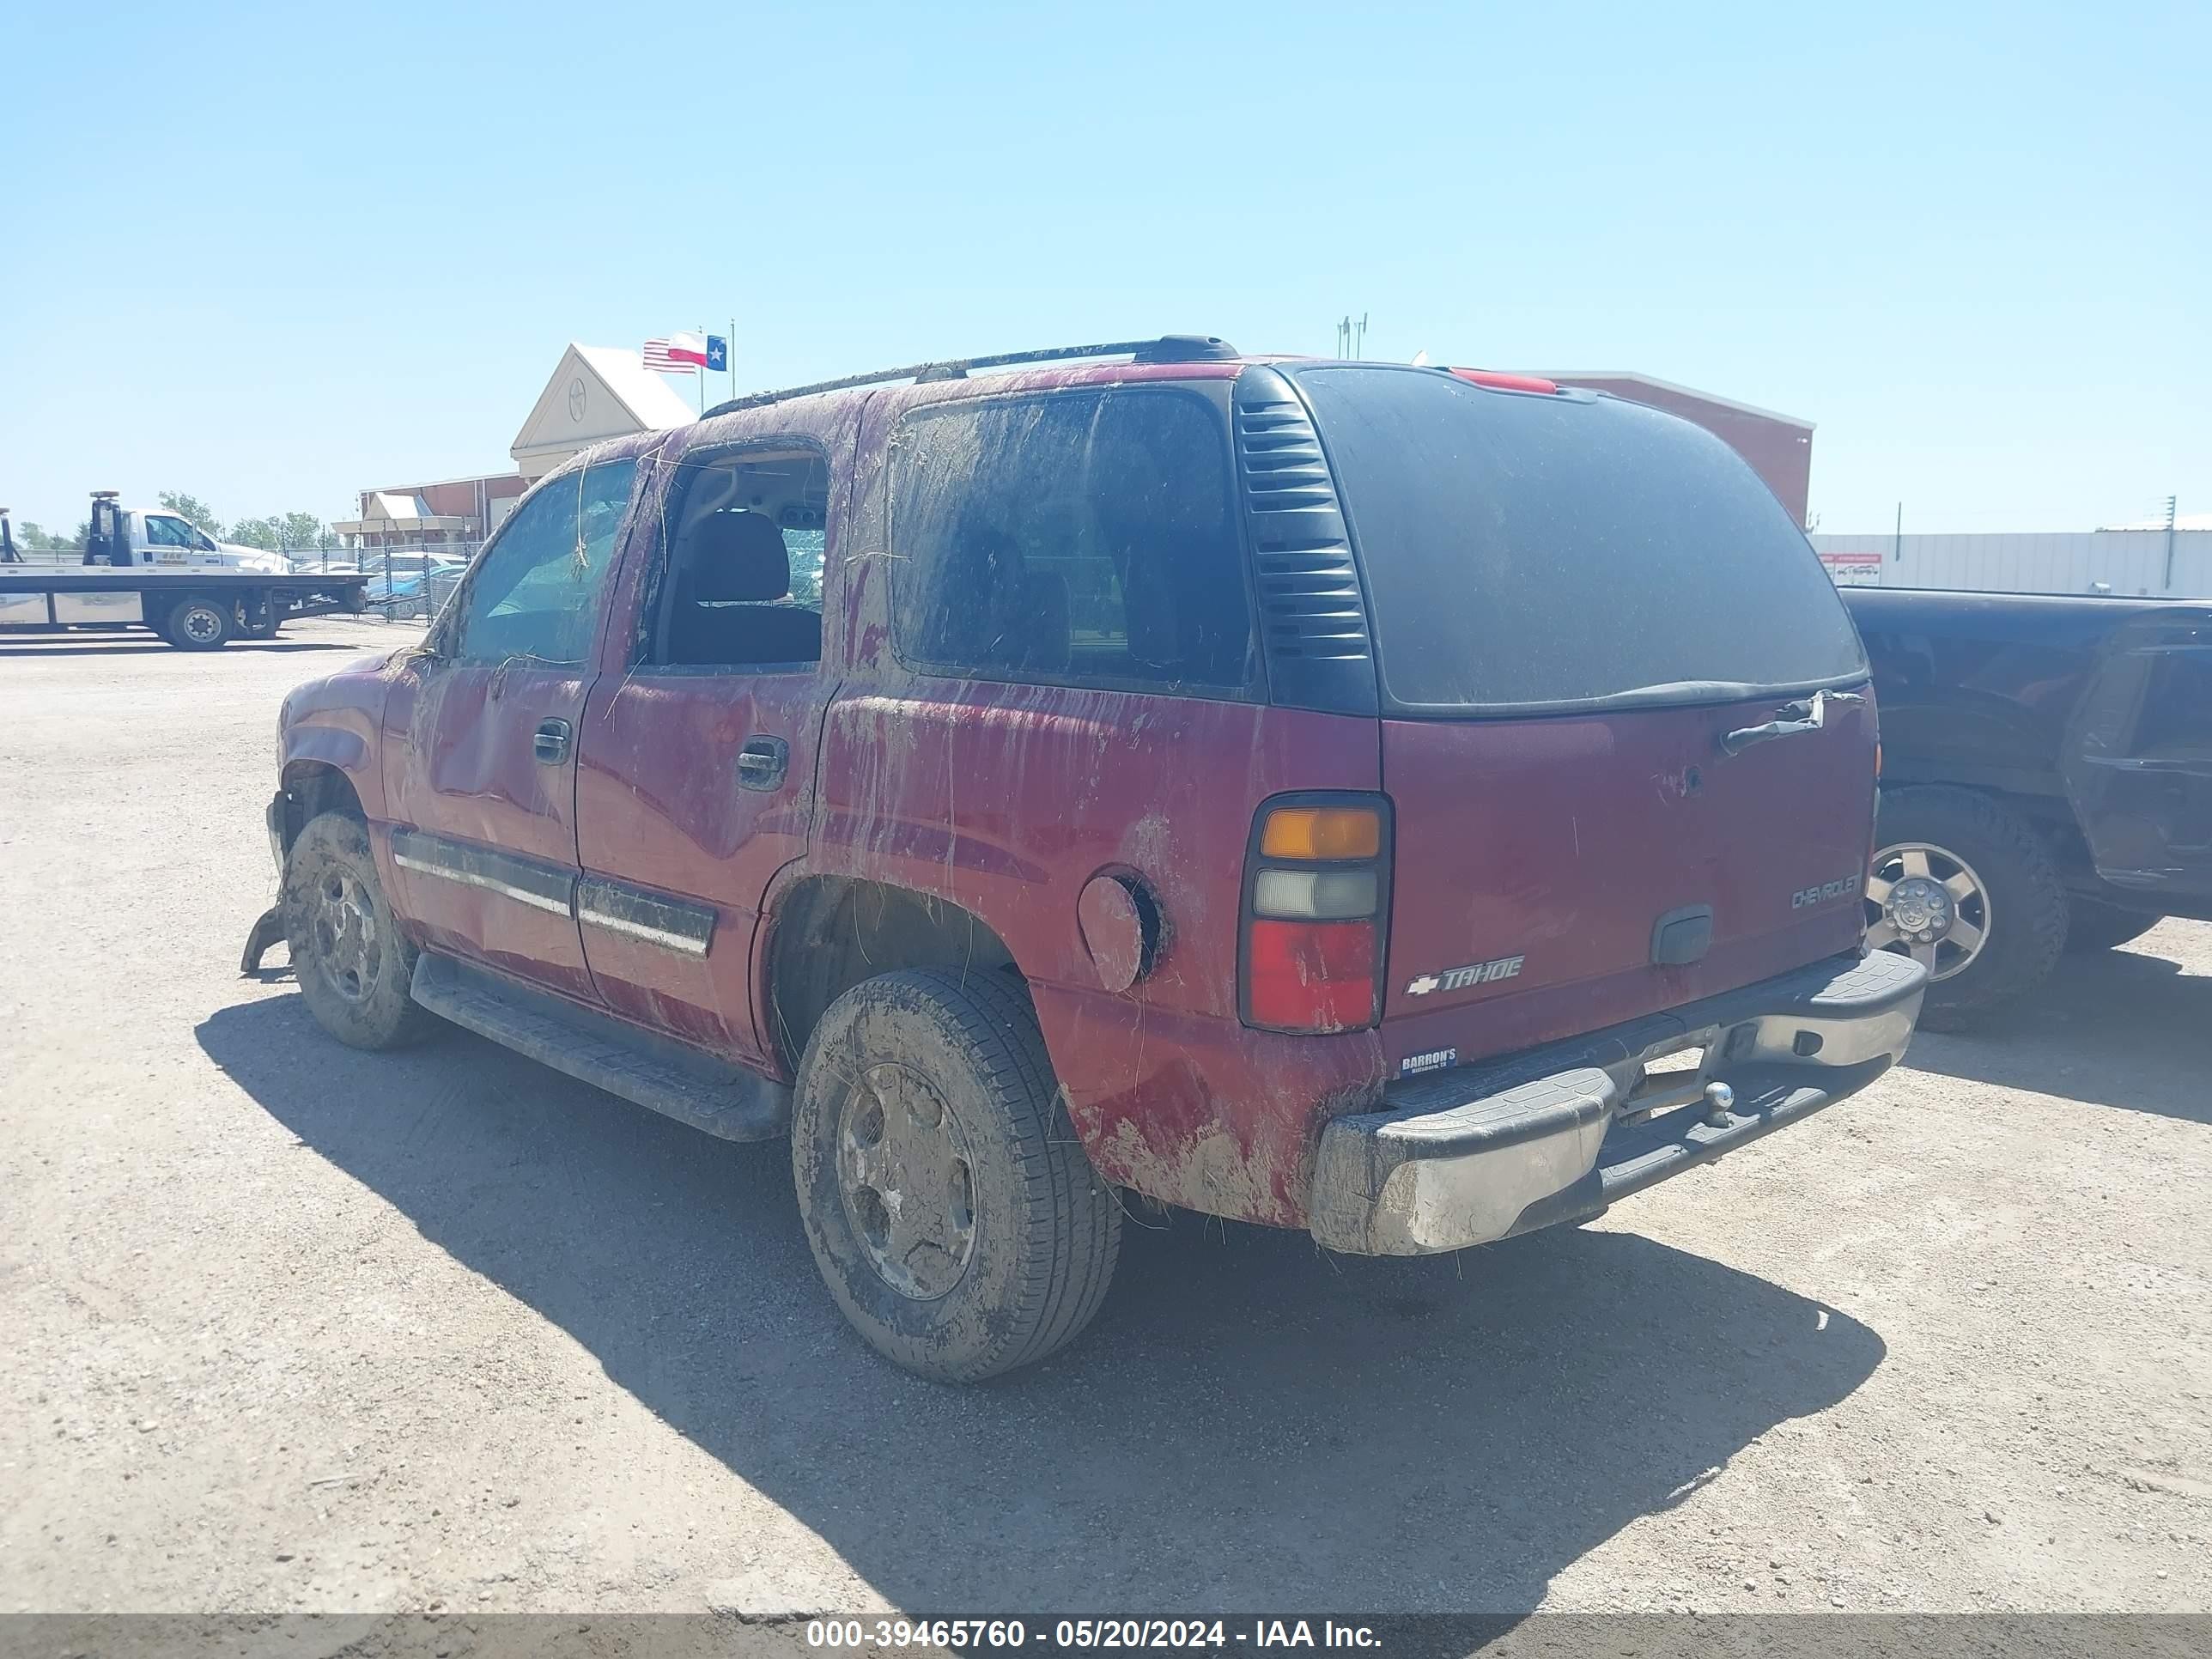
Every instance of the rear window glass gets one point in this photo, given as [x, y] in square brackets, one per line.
[1532, 551]
[1083, 538]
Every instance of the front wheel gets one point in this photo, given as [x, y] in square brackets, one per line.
[949, 1206]
[1965, 886]
[198, 624]
[354, 966]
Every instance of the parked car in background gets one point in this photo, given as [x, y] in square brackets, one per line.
[410, 576]
[2046, 780]
[1412, 806]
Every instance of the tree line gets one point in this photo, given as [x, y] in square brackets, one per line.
[291, 532]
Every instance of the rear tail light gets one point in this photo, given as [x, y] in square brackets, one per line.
[1316, 895]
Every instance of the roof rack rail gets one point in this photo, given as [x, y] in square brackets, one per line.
[1168, 348]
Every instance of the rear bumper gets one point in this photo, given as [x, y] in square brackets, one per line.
[1556, 1134]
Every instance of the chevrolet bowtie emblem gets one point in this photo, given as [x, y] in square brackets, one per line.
[1458, 979]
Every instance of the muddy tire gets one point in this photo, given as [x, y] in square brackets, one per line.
[2001, 891]
[353, 964]
[199, 624]
[948, 1205]
[2091, 925]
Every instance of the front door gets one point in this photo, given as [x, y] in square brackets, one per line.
[480, 736]
[696, 781]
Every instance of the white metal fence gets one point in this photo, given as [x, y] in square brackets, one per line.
[2128, 562]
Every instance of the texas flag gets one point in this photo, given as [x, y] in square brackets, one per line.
[679, 354]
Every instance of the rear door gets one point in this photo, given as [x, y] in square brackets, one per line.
[480, 736]
[2137, 760]
[1576, 601]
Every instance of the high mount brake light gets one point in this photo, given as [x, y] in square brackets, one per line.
[1500, 381]
[1316, 895]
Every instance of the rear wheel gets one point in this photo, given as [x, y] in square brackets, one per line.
[949, 1206]
[198, 624]
[2091, 925]
[1965, 886]
[354, 966]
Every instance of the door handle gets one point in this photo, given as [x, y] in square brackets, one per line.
[550, 743]
[761, 762]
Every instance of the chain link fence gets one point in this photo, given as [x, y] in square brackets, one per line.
[406, 584]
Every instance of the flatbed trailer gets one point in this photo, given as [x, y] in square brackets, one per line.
[193, 610]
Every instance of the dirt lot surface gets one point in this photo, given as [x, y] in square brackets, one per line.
[290, 1327]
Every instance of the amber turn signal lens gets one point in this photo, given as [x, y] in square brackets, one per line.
[1322, 832]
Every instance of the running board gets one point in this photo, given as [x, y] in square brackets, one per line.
[653, 1071]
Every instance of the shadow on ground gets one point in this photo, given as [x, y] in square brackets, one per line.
[1248, 1424]
[2110, 1028]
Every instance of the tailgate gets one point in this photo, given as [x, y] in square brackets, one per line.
[1555, 875]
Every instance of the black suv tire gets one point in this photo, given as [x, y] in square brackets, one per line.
[997, 1244]
[354, 966]
[2025, 903]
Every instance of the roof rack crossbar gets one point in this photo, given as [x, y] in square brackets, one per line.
[1169, 348]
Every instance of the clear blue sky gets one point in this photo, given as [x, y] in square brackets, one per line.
[273, 254]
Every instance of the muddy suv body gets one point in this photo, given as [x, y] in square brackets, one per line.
[1324, 795]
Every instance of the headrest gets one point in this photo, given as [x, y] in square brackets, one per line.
[737, 556]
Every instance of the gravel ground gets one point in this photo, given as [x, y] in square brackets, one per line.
[290, 1327]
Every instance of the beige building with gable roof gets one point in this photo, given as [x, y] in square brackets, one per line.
[596, 394]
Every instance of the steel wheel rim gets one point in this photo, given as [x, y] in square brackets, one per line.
[906, 1180]
[201, 624]
[1925, 902]
[349, 944]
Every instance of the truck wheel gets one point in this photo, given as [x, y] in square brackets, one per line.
[353, 964]
[2091, 925]
[1966, 885]
[948, 1203]
[198, 624]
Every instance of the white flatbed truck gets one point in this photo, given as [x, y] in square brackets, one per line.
[196, 597]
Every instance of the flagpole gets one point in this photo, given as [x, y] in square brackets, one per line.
[702, 370]
[730, 357]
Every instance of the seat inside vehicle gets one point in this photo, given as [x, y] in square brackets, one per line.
[741, 584]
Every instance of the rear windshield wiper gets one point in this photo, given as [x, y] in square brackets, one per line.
[1807, 715]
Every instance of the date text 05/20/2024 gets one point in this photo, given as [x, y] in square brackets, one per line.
[1086, 1634]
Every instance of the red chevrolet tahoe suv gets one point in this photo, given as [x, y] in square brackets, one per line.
[1415, 806]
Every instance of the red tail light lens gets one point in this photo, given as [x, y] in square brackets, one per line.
[1316, 900]
[1310, 975]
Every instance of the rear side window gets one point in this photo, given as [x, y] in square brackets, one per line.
[2177, 717]
[1080, 537]
[1525, 551]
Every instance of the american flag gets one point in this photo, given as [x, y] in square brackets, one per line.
[680, 355]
